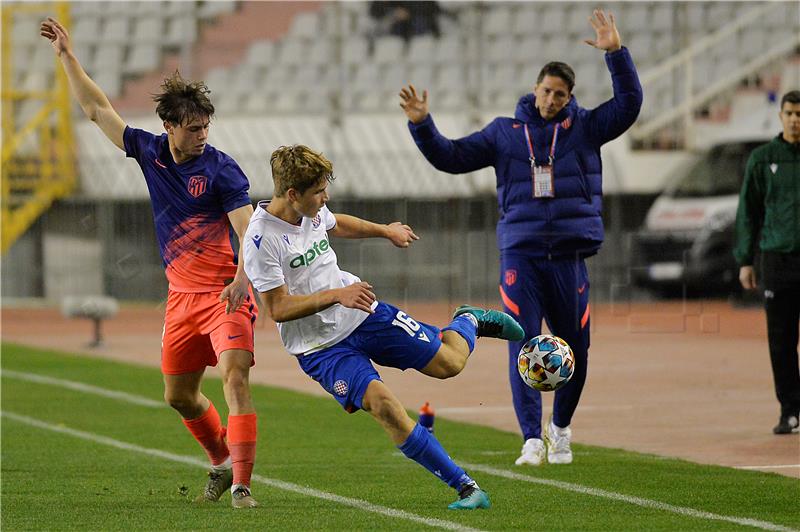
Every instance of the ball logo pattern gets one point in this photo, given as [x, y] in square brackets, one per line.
[546, 363]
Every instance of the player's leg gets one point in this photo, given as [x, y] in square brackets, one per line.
[345, 371]
[203, 422]
[184, 355]
[567, 316]
[521, 293]
[416, 443]
[458, 338]
[783, 311]
[232, 338]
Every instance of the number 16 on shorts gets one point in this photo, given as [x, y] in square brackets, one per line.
[409, 325]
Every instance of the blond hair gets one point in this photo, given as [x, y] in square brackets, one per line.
[298, 167]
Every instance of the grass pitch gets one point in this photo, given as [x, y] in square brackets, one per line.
[84, 449]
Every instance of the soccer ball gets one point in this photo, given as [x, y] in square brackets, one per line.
[546, 363]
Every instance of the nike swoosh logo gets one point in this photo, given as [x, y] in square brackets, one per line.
[234, 337]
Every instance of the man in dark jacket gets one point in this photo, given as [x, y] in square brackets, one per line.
[549, 190]
[769, 206]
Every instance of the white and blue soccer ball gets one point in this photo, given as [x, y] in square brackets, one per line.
[546, 363]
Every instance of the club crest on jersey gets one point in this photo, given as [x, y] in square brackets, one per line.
[510, 277]
[197, 185]
[340, 388]
[315, 221]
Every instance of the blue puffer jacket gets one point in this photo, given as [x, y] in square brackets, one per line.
[570, 223]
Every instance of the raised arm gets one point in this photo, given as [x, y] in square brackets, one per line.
[91, 98]
[282, 306]
[351, 227]
[614, 117]
[463, 155]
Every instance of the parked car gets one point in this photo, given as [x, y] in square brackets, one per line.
[685, 245]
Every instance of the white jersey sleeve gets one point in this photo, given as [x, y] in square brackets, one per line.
[328, 218]
[262, 262]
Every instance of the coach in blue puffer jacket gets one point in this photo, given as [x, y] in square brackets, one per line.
[549, 191]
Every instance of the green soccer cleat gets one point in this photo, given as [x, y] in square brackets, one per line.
[493, 323]
[471, 498]
[218, 483]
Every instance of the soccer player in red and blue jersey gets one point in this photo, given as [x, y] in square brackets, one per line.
[200, 199]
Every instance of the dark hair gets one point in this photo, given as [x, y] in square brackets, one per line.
[559, 70]
[790, 97]
[182, 101]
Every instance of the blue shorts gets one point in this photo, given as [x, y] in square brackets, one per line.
[389, 337]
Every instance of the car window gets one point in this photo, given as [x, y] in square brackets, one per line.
[718, 173]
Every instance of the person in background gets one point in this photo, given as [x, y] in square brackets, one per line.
[768, 221]
[549, 191]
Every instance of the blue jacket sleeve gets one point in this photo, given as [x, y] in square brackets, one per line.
[459, 156]
[612, 118]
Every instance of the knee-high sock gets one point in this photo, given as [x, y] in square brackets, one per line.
[422, 447]
[466, 326]
[210, 434]
[242, 443]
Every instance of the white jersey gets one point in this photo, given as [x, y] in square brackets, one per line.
[277, 253]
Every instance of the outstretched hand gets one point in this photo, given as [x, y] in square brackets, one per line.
[606, 29]
[401, 235]
[57, 34]
[416, 108]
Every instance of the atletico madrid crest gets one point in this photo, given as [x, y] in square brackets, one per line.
[510, 277]
[197, 185]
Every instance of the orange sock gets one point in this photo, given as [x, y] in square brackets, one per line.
[209, 432]
[242, 442]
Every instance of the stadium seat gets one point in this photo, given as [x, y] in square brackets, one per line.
[115, 30]
[148, 30]
[142, 58]
[498, 20]
[260, 53]
[388, 50]
[305, 26]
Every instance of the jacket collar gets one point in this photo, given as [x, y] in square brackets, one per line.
[528, 113]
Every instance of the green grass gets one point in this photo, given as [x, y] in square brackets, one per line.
[55, 481]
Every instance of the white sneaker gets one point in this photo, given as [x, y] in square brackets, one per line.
[557, 439]
[532, 453]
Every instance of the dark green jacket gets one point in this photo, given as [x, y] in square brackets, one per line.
[769, 202]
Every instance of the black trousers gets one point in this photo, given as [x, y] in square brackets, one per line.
[781, 279]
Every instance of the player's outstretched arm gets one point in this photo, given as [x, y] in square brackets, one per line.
[397, 233]
[281, 306]
[607, 37]
[415, 107]
[91, 98]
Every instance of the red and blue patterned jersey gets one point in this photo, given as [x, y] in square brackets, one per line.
[190, 204]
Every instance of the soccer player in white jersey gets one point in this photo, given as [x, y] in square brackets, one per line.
[331, 321]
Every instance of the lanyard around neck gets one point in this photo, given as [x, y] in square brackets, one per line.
[530, 145]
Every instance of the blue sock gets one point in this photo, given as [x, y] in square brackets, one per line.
[466, 327]
[422, 447]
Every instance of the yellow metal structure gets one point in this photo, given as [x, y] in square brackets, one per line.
[38, 148]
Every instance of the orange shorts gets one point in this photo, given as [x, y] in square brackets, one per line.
[197, 330]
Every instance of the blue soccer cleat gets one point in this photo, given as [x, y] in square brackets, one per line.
[493, 323]
[471, 498]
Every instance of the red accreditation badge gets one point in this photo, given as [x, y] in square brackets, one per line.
[543, 181]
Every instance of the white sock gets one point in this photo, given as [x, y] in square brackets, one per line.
[224, 466]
